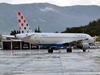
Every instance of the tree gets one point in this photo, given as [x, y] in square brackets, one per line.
[56, 32]
[14, 32]
[0, 37]
[18, 31]
[38, 30]
[93, 28]
[98, 22]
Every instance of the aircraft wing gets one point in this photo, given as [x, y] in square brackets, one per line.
[74, 41]
[78, 41]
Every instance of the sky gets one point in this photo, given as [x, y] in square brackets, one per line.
[56, 2]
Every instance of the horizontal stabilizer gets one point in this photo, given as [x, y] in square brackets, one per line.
[22, 36]
[28, 36]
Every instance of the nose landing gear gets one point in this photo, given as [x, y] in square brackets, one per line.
[69, 49]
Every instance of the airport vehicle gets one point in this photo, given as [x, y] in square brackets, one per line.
[16, 46]
[34, 46]
[25, 45]
[52, 40]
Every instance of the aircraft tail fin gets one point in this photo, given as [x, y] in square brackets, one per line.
[23, 25]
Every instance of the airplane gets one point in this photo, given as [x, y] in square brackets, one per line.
[52, 40]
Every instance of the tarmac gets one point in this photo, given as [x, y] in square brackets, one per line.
[40, 62]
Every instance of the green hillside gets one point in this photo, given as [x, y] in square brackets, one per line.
[93, 28]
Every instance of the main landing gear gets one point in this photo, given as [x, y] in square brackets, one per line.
[69, 50]
[84, 50]
[50, 50]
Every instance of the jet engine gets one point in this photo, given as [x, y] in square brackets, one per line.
[83, 46]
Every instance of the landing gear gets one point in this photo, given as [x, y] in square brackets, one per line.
[84, 50]
[69, 50]
[50, 50]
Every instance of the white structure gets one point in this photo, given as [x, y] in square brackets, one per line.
[10, 42]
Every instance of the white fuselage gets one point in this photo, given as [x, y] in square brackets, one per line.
[54, 38]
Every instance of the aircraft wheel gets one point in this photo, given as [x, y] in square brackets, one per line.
[84, 50]
[69, 49]
[50, 50]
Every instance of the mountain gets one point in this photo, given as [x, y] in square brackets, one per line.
[50, 18]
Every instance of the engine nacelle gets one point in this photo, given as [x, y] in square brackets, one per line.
[83, 46]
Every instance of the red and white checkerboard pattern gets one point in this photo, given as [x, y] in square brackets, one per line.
[23, 25]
